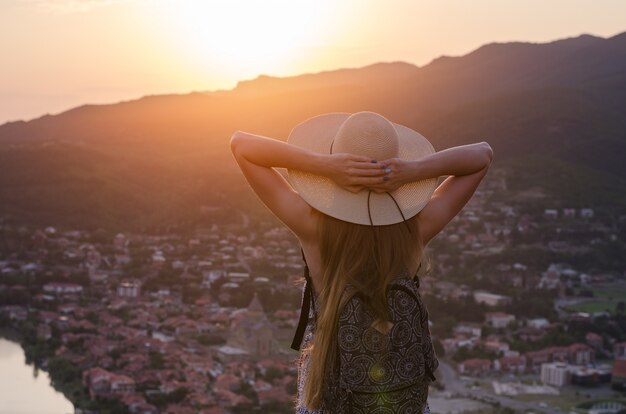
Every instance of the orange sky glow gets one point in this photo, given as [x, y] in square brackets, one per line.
[63, 53]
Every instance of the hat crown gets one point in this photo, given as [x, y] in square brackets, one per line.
[367, 133]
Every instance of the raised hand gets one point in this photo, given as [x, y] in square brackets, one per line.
[396, 172]
[353, 172]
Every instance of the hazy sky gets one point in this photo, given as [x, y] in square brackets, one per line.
[57, 54]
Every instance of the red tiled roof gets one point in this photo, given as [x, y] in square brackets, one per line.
[476, 362]
[513, 359]
[577, 347]
[592, 336]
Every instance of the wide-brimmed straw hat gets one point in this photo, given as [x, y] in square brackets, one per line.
[362, 133]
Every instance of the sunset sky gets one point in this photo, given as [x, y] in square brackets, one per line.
[58, 54]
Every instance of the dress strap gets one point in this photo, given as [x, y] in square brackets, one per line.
[416, 278]
[308, 298]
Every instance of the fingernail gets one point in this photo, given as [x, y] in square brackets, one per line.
[387, 170]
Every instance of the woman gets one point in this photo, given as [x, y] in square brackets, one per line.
[363, 202]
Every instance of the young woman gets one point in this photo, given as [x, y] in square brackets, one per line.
[363, 202]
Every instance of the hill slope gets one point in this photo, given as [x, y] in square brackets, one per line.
[160, 158]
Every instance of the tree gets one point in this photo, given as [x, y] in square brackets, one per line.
[156, 360]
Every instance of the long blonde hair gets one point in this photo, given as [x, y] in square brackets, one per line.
[365, 257]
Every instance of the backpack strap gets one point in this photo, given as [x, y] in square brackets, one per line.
[308, 298]
[419, 304]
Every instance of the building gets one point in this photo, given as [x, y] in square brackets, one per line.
[490, 299]
[581, 354]
[468, 328]
[594, 340]
[550, 213]
[538, 323]
[238, 277]
[619, 350]
[253, 332]
[590, 375]
[512, 364]
[499, 319]
[555, 373]
[228, 354]
[474, 367]
[569, 212]
[129, 289]
[61, 288]
[560, 374]
[586, 212]
[105, 384]
[535, 359]
[618, 375]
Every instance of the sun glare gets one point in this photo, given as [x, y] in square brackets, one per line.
[246, 36]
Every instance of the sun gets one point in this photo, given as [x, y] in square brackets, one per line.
[246, 36]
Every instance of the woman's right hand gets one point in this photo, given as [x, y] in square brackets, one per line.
[353, 172]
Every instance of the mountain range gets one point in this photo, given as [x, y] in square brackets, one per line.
[554, 114]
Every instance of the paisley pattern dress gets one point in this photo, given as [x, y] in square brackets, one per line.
[303, 365]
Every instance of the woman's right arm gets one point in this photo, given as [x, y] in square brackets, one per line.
[465, 164]
[258, 156]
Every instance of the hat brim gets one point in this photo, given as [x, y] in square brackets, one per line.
[323, 194]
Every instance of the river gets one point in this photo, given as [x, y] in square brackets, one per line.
[24, 389]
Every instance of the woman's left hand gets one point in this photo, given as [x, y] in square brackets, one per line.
[396, 173]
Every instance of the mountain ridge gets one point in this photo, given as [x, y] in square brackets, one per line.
[549, 101]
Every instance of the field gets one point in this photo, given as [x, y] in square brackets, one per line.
[615, 293]
[593, 306]
[605, 298]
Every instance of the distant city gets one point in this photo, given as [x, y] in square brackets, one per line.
[524, 316]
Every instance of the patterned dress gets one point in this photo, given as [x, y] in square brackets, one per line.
[303, 365]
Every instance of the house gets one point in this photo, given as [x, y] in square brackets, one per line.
[497, 346]
[594, 340]
[586, 212]
[469, 328]
[530, 334]
[558, 353]
[61, 288]
[569, 212]
[580, 354]
[512, 364]
[538, 323]
[238, 277]
[550, 213]
[229, 353]
[105, 384]
[618, 375]
[122, 385]
[474, 366]
[619, 350]
[535, 359]
[490, 299]
[498, 319]
[129, 289]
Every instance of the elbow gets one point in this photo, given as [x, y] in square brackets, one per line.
[488, 151]
[235, 141]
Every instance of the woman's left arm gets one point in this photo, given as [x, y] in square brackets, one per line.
[257, 157]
